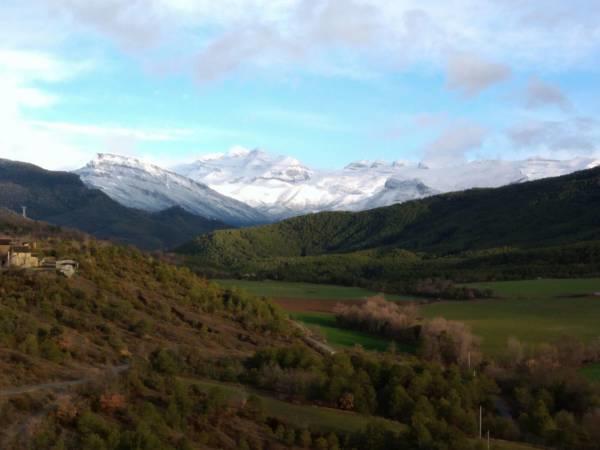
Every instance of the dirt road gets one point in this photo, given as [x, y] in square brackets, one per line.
[12, 392]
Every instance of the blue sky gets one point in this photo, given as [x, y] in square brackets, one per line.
[326, 81]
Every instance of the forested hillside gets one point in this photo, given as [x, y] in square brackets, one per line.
[62, 199]
[535, 214]
[96, 350]
[538, 228]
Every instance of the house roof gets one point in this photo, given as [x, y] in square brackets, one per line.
[21, 250]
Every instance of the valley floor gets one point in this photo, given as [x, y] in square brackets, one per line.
[533, 311]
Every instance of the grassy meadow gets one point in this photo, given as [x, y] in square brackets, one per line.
[592, 372]
[325, 325]
[533, 311]
[300, 291]
[530, 319]
[543, 288]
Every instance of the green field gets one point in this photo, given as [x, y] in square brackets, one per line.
[532, 320]
[325, 324]
[592, 372]
[533, 311]
[280, 289]
[543, 288]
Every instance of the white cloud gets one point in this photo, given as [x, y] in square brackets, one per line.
[452, 145]
[564, 138]
[21, 74]
[478, 42]
[470, 74]
[230, 35]
[304, 119]
[540, 94]
[104, 131]
[32, 65]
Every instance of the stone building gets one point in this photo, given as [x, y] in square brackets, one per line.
[21, 257]
[17, 254]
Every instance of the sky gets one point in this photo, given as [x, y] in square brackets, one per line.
[325, 81]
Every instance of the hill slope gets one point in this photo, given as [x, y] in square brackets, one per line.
[547, 228]
[539, 213]
[62, 199]
[90, 358]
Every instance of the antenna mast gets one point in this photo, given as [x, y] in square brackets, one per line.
[24, 208]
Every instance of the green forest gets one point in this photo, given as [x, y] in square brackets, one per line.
[547, 228]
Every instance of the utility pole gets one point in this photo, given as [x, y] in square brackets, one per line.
[488, 440]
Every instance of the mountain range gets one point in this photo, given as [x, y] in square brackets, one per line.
[245, 187]
[61, 198]
[395, 242]
[143, 186]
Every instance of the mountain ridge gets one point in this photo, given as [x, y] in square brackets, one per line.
[140, 185]
[537, 213]
[61, 198]
[248, 187]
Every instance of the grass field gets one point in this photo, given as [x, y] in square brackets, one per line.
[325, 324]
[543, 288]
[592, 372]
[533, 311]
[281, 289]
[530, 319]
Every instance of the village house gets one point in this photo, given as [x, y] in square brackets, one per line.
[17, 254]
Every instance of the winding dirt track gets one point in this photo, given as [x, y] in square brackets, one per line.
[61, 384]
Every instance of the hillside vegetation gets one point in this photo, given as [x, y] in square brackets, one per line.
[131, 353]
[89, 362]
[61, 198]
[542, 228]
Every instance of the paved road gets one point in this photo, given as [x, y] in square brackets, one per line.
[61, 384]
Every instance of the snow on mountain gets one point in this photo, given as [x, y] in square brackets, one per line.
[281, 186]
[395, 191]
[140, 185]
[271, 187]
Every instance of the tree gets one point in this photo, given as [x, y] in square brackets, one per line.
[165, 361]
[321, 444]
[567, 432]
[400, 404]
[541, 422]
[305, 439]
[449, 342]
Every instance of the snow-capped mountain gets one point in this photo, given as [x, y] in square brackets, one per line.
[281, 186]
[395, 191]
[140, 185]
[252, 186]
